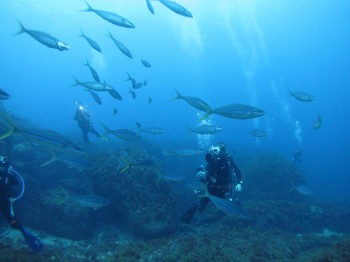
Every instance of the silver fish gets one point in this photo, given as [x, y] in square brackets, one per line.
[258, 133]
[206, 129]
[92, 71]
[150, 130]
[195, 102]
[175, 7]
[111, 17]
[149, 6]
[121, 46]
[318, 122]
[44, 38]
[237, 111]
[96, 86]
[91, 42]
[4, 95]
[302, 96]
[145, 63]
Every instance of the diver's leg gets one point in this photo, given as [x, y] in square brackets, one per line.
[203, 203]
[10, 215]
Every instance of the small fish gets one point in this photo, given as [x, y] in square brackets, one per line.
[92, 201]
[302, 189]
[149, 6]
[121, 46]
[44, 38]
[76, 161]
[195, 102]
[237, 111]
[175, 7]
[145, 63]
[173, 177]
[147, 163]
[4, 95]
[149, 99]
[95, 97]
[188, 152]
[113, 18]
[92, 71]
[302, 96]
[205, 129]
[150, 130]
[115, 111]
[258, 133]
[318, 122]
[96, 86]
[91, 42]
[124, 134]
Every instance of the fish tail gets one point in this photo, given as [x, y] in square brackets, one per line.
[77, 82]
[89, 8]
[65, 196]
[127, 165]
[21, 30]
[87, 63]
[10, 123]
[178, 95]
[107, 130]
[81, 33]
[129, 77]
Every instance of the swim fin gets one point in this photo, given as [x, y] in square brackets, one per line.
[32, 241]
[189, 214]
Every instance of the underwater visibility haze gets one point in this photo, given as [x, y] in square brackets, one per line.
[163, 81]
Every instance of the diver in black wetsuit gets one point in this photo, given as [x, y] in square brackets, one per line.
[9, 179]
[83, 119]
[218, 177]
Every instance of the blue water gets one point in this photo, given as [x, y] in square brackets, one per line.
[229, 52]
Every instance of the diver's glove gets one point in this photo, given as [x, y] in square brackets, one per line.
[201, 174]
[238, 187]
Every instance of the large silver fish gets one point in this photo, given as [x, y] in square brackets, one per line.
[44, 38]
[91, 42]
[121, 46]
[206, 129]
[237, 111]
[195, 102]
[111, 17]
[150, 130]
[96, 86]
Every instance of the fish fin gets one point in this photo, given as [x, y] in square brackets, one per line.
[178, 95]
[10, 123]
[107, 130]
[127, 165]
[21, 30]
[53, 159]
[89, 8]
[81, 33]
[77, 82]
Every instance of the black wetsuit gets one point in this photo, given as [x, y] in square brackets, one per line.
[7, 180]
[83, 119]
[219, 175]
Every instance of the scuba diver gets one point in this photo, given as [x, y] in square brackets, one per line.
[11, 189]
[83, 119]
[218, 178]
